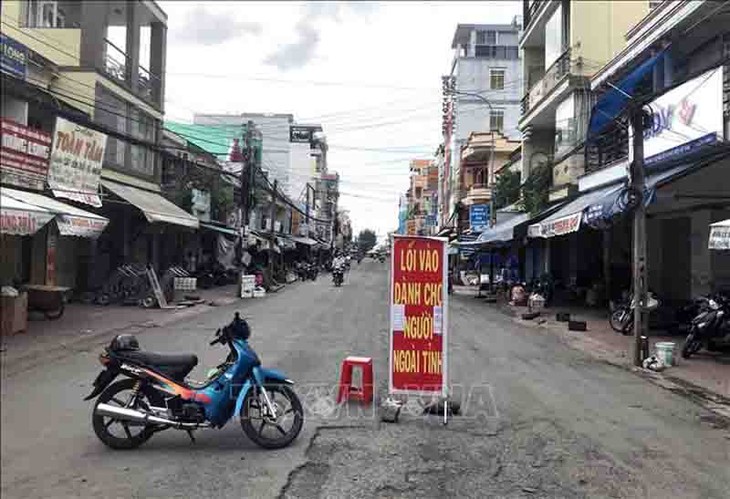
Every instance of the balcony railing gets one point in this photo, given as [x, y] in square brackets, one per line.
[555, 73]
[148, 84]
[115, 61]
[533, 7]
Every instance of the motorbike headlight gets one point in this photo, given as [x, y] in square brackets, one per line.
[702, 325]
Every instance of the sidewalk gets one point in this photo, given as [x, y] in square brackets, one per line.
[81, 323]
[705, 370]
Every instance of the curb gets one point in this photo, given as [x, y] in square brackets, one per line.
[705, 398]
[63, 348]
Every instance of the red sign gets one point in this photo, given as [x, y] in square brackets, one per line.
[418, 309]
[24, 155]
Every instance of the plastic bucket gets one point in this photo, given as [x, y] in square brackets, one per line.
[665, 352]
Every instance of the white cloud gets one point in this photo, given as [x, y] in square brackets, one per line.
[372, 80]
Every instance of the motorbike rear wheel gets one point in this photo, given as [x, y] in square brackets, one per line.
[691, 345]
[119, 434]
[282, 430]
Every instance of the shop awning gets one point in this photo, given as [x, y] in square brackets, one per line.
[568, 218]
[155, 207]
[503, 232]
[615, 100]
[21, 219]
[720, 235]
[286, 243]
[304, 240]
[71, 221]
[217, 228]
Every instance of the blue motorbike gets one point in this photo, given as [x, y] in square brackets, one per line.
[155, 396]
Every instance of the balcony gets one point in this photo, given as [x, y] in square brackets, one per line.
[477, 194]
[148, 84]
[115, 62]
[554, 75]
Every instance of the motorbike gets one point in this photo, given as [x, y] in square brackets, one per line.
[622, 316]
[312, 271]
[338, 276]
[710, 328]
[155, 395]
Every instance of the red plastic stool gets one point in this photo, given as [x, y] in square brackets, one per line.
[346, 390]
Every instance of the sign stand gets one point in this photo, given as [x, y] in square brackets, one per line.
[418, 302]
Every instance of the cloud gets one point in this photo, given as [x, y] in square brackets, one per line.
[300, 52]
[205, 27]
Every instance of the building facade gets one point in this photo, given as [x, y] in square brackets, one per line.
[482, 93]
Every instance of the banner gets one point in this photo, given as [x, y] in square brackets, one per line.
[479, 217]
[76, 159]
[69, 225]
[13, 57]
[24, 155]
[418, 316]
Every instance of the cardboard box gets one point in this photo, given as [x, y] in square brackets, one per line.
[14, 312]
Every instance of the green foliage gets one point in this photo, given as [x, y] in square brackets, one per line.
[506, 189]
[366, 240]
[535, 189]
[221, 201]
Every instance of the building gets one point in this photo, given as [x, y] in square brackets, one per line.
[96, 69]
[481, 93]
[421, 199]
[275, 135]
[562, 47]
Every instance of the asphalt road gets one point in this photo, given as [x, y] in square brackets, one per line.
[540, 419]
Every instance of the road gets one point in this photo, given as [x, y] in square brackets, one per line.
[542, 420]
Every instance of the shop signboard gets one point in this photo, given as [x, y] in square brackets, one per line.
[13, 58]
[69, 225]
[418, 316]
[24, 155]
[411, 227]
[76, 159]
[557, 227]
[20, 222]
[720, 235]
[479, 217]
[685, 118]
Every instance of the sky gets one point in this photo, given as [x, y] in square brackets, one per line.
[368, 72]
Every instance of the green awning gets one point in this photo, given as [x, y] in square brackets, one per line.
[213, 139]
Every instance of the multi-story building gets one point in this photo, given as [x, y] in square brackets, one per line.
[421, 199]
[563, 44]
[305, 145]
[484, 95]
[100, 66]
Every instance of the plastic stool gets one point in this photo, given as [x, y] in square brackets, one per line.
[346, 390]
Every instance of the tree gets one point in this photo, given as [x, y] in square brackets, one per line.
[366, 240]
[506, 189]
[535, 189]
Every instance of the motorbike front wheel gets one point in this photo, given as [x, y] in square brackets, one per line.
[618, 319]
[119, 434]
[261, 427]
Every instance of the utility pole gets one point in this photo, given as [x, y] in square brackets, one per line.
[272, 218]
[306, 209]
[247, 176]
[639, 235]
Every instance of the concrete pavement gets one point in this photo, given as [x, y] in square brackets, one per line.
[545, 420]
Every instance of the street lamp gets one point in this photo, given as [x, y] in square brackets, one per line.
[490, 167]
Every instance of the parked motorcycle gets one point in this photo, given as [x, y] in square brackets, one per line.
[155, 396]
[710, 328]
[338, 276]
[622, 317]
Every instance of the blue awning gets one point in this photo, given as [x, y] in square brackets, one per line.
[600, 212]
[615, 100]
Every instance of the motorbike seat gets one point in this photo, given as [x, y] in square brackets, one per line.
[176, 366]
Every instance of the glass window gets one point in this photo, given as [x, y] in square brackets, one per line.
[491, 37]
[496, 79]
[565, 126]
[496, 120]
[554, 37]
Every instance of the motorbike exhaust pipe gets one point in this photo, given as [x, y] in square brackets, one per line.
[135, 416]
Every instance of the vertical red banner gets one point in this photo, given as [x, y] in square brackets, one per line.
[418, 315]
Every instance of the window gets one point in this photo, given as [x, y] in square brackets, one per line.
[496, 120]
[111, 111]
[565, 126]
[486, 37]
[496, 79]
[51, 14]
[554, 37]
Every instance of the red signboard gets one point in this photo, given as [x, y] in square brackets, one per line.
[24, 155]
[418, 313]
